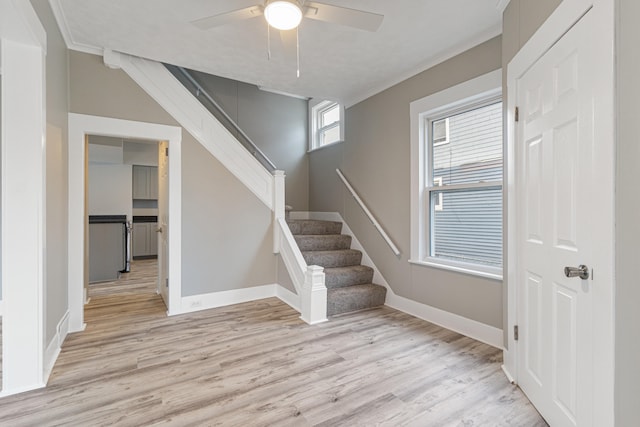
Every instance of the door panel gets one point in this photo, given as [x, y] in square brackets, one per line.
[558, 197]
[163, 221]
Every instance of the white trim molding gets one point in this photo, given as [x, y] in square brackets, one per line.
[501, 5]
[481, 88]
[565, 16]
[53, 349]
[170, 94]
[192, 303]
[79, 127]
[308, 280]
[23, 137]
[468, 327]
[432, 62]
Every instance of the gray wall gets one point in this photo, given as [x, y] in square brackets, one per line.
[216, 207]
[55, 298]
[277, 124]
[627, 297]
[375, 158]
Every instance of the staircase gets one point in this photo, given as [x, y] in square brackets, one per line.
[348, 283]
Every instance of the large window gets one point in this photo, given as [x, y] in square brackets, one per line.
[326, 124]
[457, 222]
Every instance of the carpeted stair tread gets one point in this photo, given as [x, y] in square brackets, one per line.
[322, 242]
[352, 298]
[328, 259]
[313, 226]
[339, 277]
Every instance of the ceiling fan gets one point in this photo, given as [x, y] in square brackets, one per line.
[287, 14]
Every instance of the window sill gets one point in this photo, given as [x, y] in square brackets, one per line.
[458, 269]
[311, 150]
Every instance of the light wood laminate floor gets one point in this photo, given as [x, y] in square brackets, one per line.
[258, 364]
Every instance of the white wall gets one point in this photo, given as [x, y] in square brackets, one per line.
[140, 153]
[110, 189]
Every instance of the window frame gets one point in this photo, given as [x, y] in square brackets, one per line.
[316, 109]
[475, 93]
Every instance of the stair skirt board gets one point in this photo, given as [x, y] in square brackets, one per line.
[237, 296]
[468, 327]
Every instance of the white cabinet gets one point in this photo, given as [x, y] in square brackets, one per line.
[144, 239]
[145, 182]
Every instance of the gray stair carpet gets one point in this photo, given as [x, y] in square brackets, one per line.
[349, 284]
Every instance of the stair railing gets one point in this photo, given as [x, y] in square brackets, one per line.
[368, 213]
[308, 280]
[210, 104]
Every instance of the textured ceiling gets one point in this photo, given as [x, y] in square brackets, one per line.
[336, 62]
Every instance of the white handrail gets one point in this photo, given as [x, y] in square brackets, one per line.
[309, 280]
[368, 213]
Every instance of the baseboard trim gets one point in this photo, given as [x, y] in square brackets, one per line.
[11, 392]
[288, 297]
[53, 349]
[468, 327]
[200, 302]
[508, 374]
[471, 328]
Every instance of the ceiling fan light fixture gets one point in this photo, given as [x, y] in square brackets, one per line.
[283, 14]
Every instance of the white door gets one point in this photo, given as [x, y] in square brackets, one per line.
[163, 220]
[564, 180]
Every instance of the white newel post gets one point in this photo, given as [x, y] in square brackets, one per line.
[314, 296]
[278, 208]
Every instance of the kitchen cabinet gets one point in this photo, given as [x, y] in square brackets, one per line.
[145, 239]
[106, 247]
[145, 182]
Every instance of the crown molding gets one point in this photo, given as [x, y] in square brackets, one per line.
[63, 25]
[438, 59]
[501, 5]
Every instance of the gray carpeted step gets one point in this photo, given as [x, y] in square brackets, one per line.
[322, 242]
[328, 259]
[312, 226]
[339, 277]
[352, 298]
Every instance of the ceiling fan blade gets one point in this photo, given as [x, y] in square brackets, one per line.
[341, 15]
[228, 17]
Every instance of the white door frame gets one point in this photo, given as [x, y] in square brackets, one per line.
[79, 127]
[22, 57]
[562, 19]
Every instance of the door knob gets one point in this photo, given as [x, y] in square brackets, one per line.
[159, 230]
[582, 271]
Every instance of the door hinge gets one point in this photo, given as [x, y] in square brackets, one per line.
[166, 282]
[515, 333]
[517, 114]
[166, 151]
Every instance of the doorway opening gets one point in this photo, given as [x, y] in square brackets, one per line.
[123, 197]
[81, 129]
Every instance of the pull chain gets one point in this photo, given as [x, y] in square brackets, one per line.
[268, 42]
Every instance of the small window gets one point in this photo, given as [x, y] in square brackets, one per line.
[326, 124]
